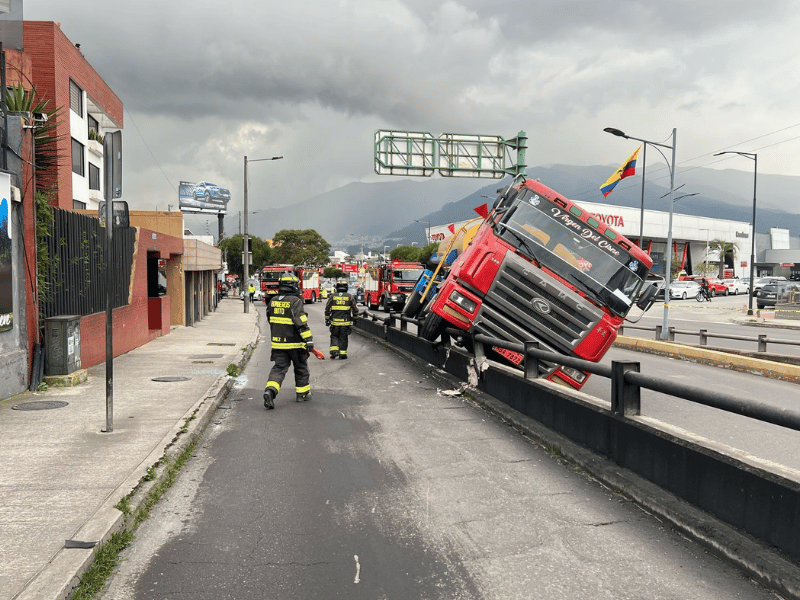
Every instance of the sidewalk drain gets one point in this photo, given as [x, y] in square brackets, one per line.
[40, 405]
[220, 344]
[200, 356]
[171, 378]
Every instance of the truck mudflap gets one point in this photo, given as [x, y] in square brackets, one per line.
[525, 304]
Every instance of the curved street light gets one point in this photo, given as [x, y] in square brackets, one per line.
[754, 157]
[667, 273]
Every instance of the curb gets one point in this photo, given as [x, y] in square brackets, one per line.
[747, 554]
[59, 578]
[734, 362]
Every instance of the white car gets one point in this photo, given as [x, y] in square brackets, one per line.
[683, 289]
[737, 286]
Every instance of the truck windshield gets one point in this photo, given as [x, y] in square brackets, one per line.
[575, 251]
[406, 274]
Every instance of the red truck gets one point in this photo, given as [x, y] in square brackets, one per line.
[390, 284]
[309, 281]
[540, 268]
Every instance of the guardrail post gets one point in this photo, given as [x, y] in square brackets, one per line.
[403, 325]
[762, 343]
[530, 363]
[658, 331]
[671, 334]
[625, 397]
[390, 320]
[621, 330]
[704, 337]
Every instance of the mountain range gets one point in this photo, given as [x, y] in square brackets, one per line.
[397, 211]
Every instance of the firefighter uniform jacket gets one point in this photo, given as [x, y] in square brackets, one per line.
[288, 323]
[341, 310]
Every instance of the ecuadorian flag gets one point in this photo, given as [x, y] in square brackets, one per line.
[627, 169]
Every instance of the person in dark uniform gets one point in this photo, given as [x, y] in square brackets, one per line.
[341, 312]
[291, 340]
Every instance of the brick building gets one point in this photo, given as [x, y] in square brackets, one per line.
[62, 75]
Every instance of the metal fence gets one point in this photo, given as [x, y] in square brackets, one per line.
[703, 335]
[75, 272]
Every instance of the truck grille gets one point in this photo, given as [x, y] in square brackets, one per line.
[523, 304]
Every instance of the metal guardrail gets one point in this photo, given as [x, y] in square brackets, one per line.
[703, 334]
[626, 378]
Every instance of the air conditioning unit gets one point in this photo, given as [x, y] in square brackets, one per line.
[62, 337]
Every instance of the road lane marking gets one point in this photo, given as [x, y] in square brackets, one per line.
[358, 569]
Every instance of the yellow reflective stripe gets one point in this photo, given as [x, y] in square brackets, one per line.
[280, 320]
[274, 385]
[341, 323]
[346, 307]
[303, 318]
[334, 348]
[306, 335]
[287, 345]
[342, 352]
[302, 390]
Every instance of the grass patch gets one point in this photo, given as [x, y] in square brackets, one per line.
[553, 450]
[107, 557]
[233, 370]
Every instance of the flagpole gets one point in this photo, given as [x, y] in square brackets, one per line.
[641, 213]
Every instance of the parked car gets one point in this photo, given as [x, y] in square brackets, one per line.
[737, 286]
[684, 289]
[762, 281]
[716, 286]
[780, 292]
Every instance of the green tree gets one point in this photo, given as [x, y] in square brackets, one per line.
[332, 273]
[47, 158]
[232, 248]
[427, 250]
[405, 253]
[723, 248]
[303, 247]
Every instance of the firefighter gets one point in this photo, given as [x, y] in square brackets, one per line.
[291, 340]
[341, 312]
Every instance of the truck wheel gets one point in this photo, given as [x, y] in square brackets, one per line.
[432, 327]
[413, 305]
[387, 307]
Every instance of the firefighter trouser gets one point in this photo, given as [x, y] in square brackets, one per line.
[339, 335]
[283, 360]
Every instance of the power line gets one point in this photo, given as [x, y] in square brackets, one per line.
[150, 151]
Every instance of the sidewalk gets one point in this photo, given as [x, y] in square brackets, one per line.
[60, 475]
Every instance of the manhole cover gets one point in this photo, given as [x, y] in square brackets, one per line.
[199, 356]
[171, 378]
[40, 405]
[220, 344]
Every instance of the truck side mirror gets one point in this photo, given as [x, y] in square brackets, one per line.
[648, 298]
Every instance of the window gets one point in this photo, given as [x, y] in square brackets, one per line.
[77, 157]
[75, 97]
[78, 205]
[94, 177]
[94, 125]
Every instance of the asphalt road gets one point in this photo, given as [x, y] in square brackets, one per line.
[383, 486]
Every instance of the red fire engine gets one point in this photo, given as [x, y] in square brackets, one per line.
[309, 281]
[390, 284]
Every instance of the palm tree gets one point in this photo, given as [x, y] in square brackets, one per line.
[723, 248]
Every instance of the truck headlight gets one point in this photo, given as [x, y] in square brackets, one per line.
[574, 374]
[462, 301]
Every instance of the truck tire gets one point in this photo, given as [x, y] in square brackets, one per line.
[413, 304]
[386, 305]
[432, 327]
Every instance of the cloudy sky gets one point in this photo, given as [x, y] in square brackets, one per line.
[205, 83]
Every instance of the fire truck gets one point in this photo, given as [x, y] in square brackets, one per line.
[309, 281]
[390, 284]
[540, 268]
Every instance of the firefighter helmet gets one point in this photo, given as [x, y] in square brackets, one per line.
[341, 286]
[288, 284]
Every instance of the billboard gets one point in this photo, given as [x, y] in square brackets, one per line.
[203, 197]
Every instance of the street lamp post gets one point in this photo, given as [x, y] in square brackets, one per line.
[428, 232]
[617, 132]
[245, 245]
[754, 158]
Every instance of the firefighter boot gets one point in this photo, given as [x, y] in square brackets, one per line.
[342, 355]
[269, 398]
[303, 397]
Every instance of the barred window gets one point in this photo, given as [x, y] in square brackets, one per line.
[75, 97]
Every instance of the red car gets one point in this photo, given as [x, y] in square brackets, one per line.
[715, 286]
